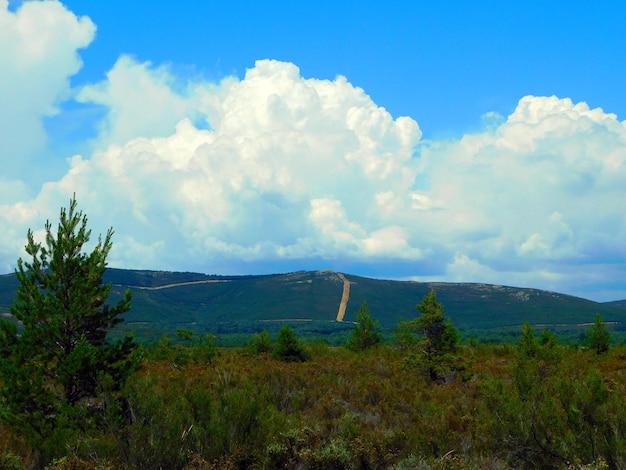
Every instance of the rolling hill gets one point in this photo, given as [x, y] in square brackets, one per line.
[310, 300]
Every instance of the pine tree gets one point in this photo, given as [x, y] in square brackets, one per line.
[61, 355]
[435, 351]
[598, 336]
[366, 333]
[288, 347]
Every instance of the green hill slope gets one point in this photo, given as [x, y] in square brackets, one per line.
[165, 301]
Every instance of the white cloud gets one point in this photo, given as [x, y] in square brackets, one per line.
[291, 168]
[38, 55]
[295, 170]
[542, 193]
[140, 101]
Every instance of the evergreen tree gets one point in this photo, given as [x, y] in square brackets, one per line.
[528, 345]
[536, 359]
[288, 347]
[543, 347]
[435, 351]
[366, 333]
[61, 356]
[598, 336]
[260, 343]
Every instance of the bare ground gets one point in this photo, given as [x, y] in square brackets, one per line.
[345, 296]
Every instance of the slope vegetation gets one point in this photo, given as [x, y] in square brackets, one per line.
[326, 302]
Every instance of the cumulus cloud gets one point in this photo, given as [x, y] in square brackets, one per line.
[276, 170]
[291, 168]
[538, 199]
[38, 55]
[139, 99]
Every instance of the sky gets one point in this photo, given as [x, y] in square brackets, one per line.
[431, 141]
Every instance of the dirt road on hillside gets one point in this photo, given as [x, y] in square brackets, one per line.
[178, 284]
[345, 296]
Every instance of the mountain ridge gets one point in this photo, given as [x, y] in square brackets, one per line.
[164, 301]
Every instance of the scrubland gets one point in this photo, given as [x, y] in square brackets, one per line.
[193, 407]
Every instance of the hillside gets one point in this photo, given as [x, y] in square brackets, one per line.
[617, 303]
[165, 301]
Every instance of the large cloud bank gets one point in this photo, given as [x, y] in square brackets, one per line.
[277, 172]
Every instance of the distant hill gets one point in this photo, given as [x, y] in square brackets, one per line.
[165, 301]
[617, 303]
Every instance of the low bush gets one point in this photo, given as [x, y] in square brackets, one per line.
[534, 405]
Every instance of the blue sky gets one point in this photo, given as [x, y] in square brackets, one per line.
[442, 64]
[456, 141]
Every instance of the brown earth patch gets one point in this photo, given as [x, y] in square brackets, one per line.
[345, 296]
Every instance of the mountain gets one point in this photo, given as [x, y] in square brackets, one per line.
[617, 303]
[165, 301]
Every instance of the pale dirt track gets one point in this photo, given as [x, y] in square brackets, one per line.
[169, 286]
[345, 296]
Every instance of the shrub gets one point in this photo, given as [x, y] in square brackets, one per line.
[260, 343]
[10, 461]
[288, 347]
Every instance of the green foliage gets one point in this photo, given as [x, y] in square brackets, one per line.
[288, 347]
[566, 409]
[200, 349]
[536, 359]
[565, 418]
[557, 412]
[162, 350]
[307, 448]
[10, 461]
[598, 336]
[56, 364]
[434, 354]
[528, 345]
[404, 335]
[260, 343]
[366, 333]
[235, 305]
[184, 334]
[198, 414]
[544, 347]
[203, 350]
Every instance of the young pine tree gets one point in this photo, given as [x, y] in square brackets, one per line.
[288, 347]
[62, 353]
[434, 353]
[260, 343]
[366, 333]
[598, 336]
